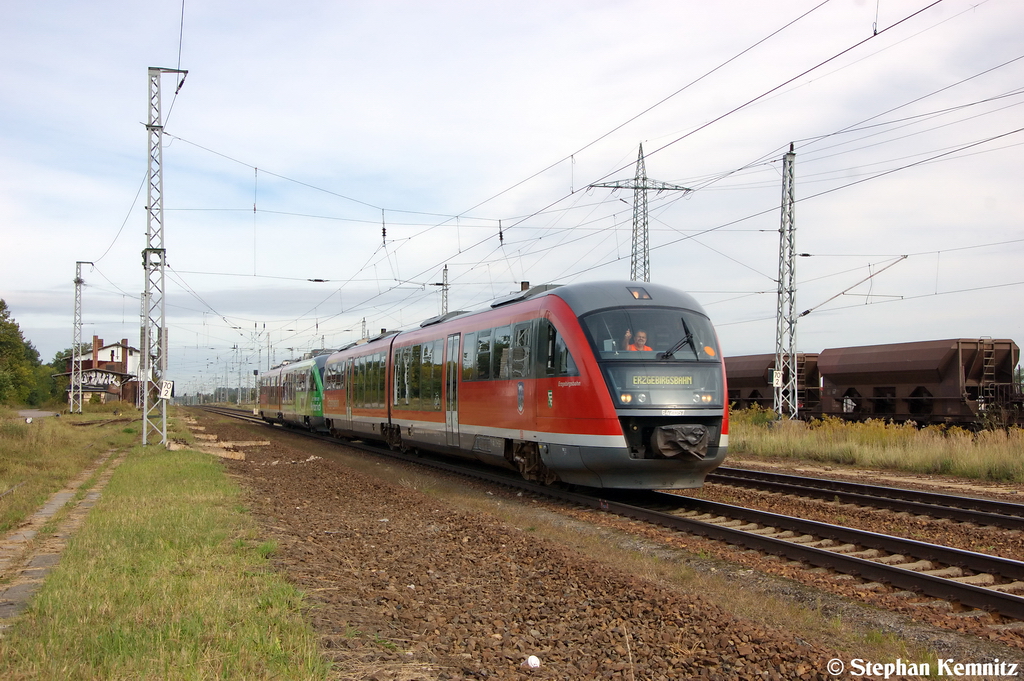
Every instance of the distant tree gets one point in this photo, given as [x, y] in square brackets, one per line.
[57, 385]
[61, 359]
[18, 361]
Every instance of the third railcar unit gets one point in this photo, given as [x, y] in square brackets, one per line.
[554, 382]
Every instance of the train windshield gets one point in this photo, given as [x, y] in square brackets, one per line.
[663, 358]
[648, 333]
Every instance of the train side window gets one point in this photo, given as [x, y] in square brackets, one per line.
[556, 359]
[403, 377]
[414, 376]
[502, 345]
[357, 382]
[371, 381]
[380, 382]
[369, 388]
[437, 376]
[519, 365]
[469, 357]
[401, 397]
[426, 368]
[566, 365]
[365, 392]
[483, 354]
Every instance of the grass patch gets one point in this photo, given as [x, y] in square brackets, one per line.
[986, 455]
[39, 458]
[165, 580]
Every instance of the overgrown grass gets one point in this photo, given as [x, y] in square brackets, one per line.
[39, 458]
[996, 455]
[167, 579]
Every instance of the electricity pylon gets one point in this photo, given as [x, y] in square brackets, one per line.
[640, 260]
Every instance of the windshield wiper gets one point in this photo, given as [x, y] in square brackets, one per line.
[688, 338]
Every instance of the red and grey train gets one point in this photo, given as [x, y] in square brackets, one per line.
[601, 384]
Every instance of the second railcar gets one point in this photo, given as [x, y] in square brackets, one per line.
[292, 394]
[608, 384]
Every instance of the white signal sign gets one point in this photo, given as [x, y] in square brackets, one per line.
[166, 389]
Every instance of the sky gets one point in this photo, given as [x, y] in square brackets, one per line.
[367, 146]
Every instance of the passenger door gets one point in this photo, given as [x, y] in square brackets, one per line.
[453, 368]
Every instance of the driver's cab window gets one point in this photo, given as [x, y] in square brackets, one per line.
[554, 356]
[651, 333]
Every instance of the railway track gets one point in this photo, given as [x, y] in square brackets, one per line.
[982, 512]
[975, 580]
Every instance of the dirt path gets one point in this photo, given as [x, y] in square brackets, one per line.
[27, 554]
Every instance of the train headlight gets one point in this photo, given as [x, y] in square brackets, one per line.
[703, 398]
[625, 398]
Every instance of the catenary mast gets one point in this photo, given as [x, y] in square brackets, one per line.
[153, 368]
[785, 377]
[77, 375]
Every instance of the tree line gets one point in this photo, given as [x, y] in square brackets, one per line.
[24, 379]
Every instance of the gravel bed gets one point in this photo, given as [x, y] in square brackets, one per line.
[406, 586]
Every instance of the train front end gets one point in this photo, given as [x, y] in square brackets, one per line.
[658, 354]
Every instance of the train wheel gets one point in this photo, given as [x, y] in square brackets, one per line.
[526, 457]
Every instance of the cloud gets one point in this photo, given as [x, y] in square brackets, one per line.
[435, 121]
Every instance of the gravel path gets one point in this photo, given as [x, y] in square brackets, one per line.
[408, 586]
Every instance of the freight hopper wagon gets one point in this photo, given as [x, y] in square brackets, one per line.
[958, 381]
[750, 381]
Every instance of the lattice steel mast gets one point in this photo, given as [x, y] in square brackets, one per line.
[154, 257]
[75, 389]
[444, 291]
[786, 370]
[640, 260]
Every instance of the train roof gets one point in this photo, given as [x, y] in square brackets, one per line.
[582, 298]
[591, 296]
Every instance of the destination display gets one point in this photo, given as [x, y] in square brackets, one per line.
[680, 386]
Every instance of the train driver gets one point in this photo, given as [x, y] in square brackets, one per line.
[640, 341]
